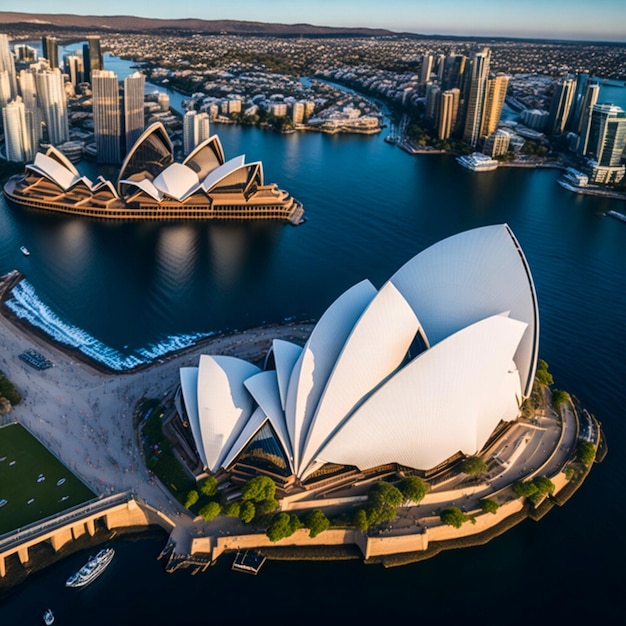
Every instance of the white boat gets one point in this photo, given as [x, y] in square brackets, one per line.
[41, 478]
[48, 617]
[477, 162]
[92, 569]
[31, 501]
[60, 482]
[25, 250]
[3, 502]
[617, 215]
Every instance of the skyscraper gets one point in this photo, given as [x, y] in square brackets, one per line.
[607, 139]
[50, 50]
[133, 107]
[589, 101]
[106, 115]
[448, 110]
[453, 68]
[425, 71]
[561, 104]
[52, 102]
[8, 81]
[475, 95]
[496, 94]
[17, 134]
[195, 130]
[92, 56]
[75, 68]
[32, 110]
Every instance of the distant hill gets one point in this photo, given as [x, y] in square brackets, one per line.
[125, 23]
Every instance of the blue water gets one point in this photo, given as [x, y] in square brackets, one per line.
[370, 207]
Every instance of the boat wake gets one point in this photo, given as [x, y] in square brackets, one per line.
[25, 303]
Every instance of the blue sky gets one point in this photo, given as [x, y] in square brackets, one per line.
[554, 19]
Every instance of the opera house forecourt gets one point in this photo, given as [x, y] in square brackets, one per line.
[151, 186]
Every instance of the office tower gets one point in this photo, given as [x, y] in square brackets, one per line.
[196, 129]
[582, 81]
[497, 143]
[297, 112]
[534, 118]
[106, 115]
[52, 102]
[607, 135]
[50, 50]
[426, 69]
[25, 54]
[431, 113]
[476, 92]
[133, 107]
[439, 67]
[589, 101]
[17, 134]
[561, 104]
[453, 69]
[8, 81]
[32, 111]
[448, 111]
[494, 101]
[92, 56]
[75, 68]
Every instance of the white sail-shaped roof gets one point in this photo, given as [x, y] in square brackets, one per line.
[318, 357]
[189, 388]
[52, 170]
[376, 347]
[251, 428]
[214, 177]
[224, 405]
[468, 277]
[285, 357]
[177, 181]
[436, 405]
[146, 186]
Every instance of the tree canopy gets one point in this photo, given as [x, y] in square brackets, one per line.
[316, 521]
[210, 510]
[259, 488]
[453, 516]
[283, 525]
[472, 465]
[412, 488]
[585, 452]
[208, 486]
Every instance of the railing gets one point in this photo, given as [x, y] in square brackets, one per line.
[14, 538]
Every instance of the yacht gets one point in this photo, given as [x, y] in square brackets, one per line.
[92, 569]
[477, 162]
[25, 250]
[48, 617]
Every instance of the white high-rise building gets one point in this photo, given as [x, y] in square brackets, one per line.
[106, 115]
[196, 128]
[52, 102]
[476, 96]
[133, 107]
[17, 133]
[8, 81]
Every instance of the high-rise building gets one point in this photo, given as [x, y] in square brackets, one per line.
[8, 81]
[17, 134]
[607, 135]
[497, 143]
[50, 50]
[590, 99]
[32, 110]
[496, 94]
[453, 68]
[133, 107]
[582, 81]
[431, 113]
[106, 116]
[426, 69]
[196, 128]
[448, 111]
[297, 112]
[92, 56]
[52, 102]
[475, 95]
[561, 105]
[75, 68]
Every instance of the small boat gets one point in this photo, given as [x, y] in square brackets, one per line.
[4, 458]
[48, 617]
[3, 502]
[12, 463]
[60, 482]
[63, 499]
[92, 569]
[31, 501]
[41, 478]
[25, 250]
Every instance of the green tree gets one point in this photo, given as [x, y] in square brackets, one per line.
[264, 507]
[412, 488]
[232, 509]
[208, 487]
[382, 501]
[453, 516]
[191, 499]
[544, 484]
[560, 397]
[259, 488]
[542, 375]
[210, 510]
[283, 525]
[472, 465]
[489, 506]
[524, 488]
[247, 512]
[8, 391]
[360, 520]
[585, 452]
[316, 522]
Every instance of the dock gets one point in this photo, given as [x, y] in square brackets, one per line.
[248, 561]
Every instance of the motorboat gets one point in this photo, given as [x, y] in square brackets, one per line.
[48, 617]
[92, 569]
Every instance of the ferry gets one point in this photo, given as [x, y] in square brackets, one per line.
[477, 162]
[25, 250]
[92, 569]
[617, 215]
[48, 617]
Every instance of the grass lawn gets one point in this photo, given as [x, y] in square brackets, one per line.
[30, 498]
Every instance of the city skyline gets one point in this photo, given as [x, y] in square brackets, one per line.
[603, 20]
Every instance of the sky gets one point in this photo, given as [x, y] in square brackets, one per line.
[597, 20]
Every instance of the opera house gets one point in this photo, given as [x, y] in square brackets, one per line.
[413, 376]
[151, 186]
